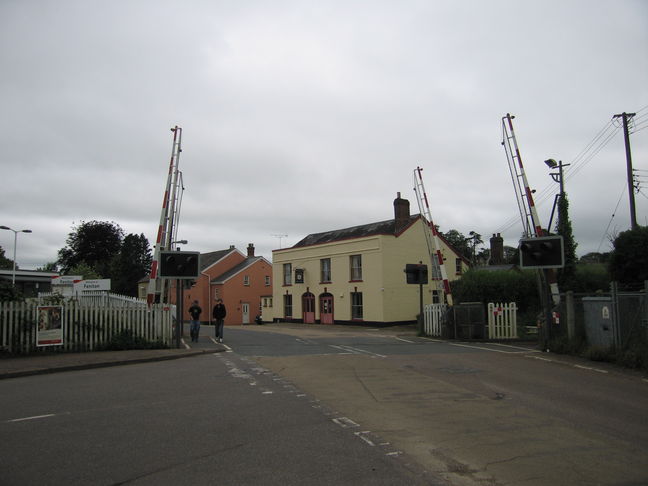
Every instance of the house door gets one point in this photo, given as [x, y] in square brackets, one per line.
[326, 308]
[245, 309]
[308, 307]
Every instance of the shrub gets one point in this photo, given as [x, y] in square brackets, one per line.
[598, 353]
[125, 340]
[499, 286]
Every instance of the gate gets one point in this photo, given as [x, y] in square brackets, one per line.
[433, 318]
[502, 321]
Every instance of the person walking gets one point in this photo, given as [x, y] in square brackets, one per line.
[194, 312]
[219, 316]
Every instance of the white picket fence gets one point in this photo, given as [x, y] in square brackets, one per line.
[85, 327]
[502, 321]
[98, 298]
[433, 319]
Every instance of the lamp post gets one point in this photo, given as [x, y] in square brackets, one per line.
[13, 275]
[557, 177]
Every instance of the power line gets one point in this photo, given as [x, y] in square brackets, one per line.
[600, 140]
[605, 233]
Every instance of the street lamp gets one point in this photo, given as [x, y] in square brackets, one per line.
[557, 177]
[179, 242]
[13, 276]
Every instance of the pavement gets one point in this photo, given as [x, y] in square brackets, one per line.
[14, 367]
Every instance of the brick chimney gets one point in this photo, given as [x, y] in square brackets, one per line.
[401, 213]
[496, 250]
[250, 250]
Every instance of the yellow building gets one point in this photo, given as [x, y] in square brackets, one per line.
[357, 274]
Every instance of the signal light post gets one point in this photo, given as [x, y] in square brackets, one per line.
[179, 265]
[543, 253]
[417, 274]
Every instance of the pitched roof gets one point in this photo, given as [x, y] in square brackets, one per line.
[248, 262]
[380, 228]
[208, 259]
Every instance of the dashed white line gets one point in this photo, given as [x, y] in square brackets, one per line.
[345, 422]
[366, 439]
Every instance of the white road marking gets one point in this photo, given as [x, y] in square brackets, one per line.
[590, 368]
[405, 340]
[35, 417]
[366, 439]
[353, 350]
[345, 422]
[540, 358]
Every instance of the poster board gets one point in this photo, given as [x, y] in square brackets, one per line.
[49, 325]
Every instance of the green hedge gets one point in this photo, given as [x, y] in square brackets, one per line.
[486, 286]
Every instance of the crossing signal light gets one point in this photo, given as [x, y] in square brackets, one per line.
[542, 252]
[416, 273]
[179, 264]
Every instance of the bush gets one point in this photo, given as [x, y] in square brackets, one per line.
[500, 286]
[598, 353]
[590, 277]
[126, 340]
[9, 293]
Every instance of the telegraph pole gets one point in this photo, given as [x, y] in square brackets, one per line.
[633, 212]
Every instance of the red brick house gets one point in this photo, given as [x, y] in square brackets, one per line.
[244, 282]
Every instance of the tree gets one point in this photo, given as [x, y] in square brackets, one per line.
[96, 243]
[131, 264]
[629, 260]
[85, 271]
[595, 257]
[49, 267]
[566, 275]
[458, 241]
[5, 263]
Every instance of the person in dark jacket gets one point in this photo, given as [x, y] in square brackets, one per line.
[219, 316]
[194, 312]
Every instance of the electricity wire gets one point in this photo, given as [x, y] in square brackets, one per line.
[600, 140]
[605, 233]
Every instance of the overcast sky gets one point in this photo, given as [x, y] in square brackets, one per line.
[306, 116]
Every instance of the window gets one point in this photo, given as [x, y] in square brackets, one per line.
[356, 267]
[267, 280]
[325, 267]
[435, 297]
[436, 269]
[287, 272]
[458, 266]
[267, 302]
[356, 305]
[246, 280]
[287, 305]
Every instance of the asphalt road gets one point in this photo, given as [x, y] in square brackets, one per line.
[215, 419]
[475, 413]
[295, 404]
